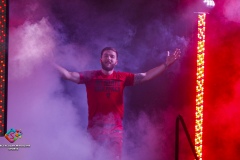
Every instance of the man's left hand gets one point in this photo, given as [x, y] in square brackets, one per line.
[173, 57]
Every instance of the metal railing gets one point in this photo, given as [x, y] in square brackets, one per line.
[180, 119]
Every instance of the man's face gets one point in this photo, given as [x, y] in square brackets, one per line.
[108, 60]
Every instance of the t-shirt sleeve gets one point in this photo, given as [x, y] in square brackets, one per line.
[85, 77]
[129, 81]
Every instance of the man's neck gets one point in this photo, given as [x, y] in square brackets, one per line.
[107, 72]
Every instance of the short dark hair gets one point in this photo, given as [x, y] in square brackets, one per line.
[109, 48]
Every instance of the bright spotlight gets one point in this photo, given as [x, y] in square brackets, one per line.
[209, 3]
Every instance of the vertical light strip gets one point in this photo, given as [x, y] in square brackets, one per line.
[3, 65]
[200, 83]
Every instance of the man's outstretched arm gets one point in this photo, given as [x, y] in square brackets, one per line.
[152, 73]
[72, 76]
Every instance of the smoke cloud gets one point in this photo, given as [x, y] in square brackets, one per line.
[232, 10]
[222, 83]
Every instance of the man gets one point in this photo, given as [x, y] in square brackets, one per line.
[105, 96]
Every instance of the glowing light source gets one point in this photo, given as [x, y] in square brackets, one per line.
[200, 83]
[3, 65]
[209, 3]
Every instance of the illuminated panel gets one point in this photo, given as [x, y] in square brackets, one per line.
[3, 65]
[200, 83]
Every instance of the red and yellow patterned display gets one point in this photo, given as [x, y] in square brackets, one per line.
[200, 84]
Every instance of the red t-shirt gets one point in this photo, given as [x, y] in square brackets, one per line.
[105, 92]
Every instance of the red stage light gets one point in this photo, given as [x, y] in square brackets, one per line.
[200, 84]
[3, 64]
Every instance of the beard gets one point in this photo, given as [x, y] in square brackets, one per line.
[107, 67]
